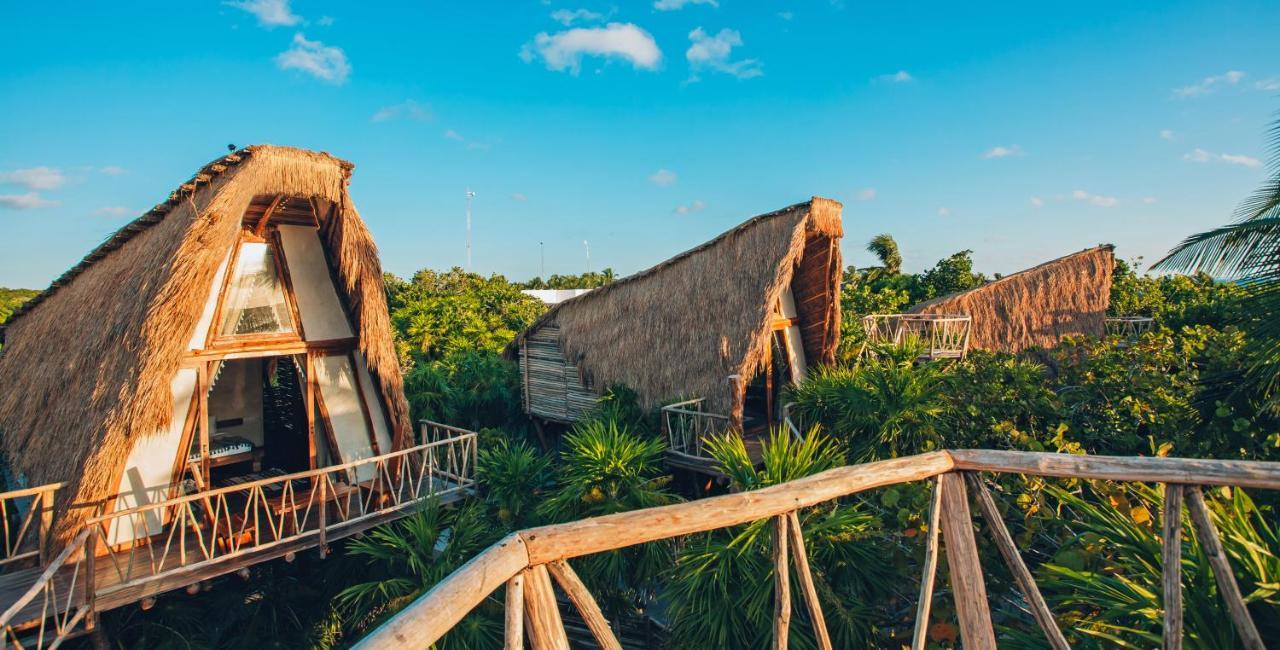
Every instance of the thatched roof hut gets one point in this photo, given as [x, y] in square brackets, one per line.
[697, 325]
[104, 363]
[1036, 307]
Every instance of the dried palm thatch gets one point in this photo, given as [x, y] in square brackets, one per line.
[86, 366]
[683, 327]
[1036, 307]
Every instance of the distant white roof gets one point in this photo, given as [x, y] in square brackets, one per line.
[554, 296]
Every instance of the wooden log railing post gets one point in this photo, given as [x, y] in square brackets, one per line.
[967, 585]
[1171, 525]
[805, 575]
[581, 598]
[918, 637]
[1227, 586]
[45, 502]
[322, 515]
[542, 615]
[513, 639]
[781, 584]
[1021, 575]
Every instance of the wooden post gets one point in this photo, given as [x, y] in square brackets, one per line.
[322, 513]
[1208, 533]
[514, 636]
[90, 552]
[967, 585]
[202, 385]
[805, 576]
[45, 501]
[919, 637]
[1172, 559]
[586, 604]
[309, 396]
[781, 584]
[542, 617]
[1021, 575]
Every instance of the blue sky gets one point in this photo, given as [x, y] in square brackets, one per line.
[1018, 130]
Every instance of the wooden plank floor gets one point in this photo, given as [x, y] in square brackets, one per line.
[129, 578]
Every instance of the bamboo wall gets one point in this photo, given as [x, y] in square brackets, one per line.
[552, 386]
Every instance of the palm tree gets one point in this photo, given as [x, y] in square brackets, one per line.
[884, 247]
[1247, 251]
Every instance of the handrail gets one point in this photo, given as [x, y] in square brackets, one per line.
[434, 613]
[26, 535]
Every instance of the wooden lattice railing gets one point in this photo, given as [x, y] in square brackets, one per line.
[687, 426]
[1128, 326]
[941, 336]
[528, 561]
[26, 517]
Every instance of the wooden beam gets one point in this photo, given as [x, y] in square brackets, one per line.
[1171, 525]
[1227, 586]
[781, 585]
[609, 532]
[434, 613]
[805, 575]
[967, 585]
[1240, 473]
[1021, 575]
[920, 636]
[513, 638]
[542, 615]
[581, 598]
[261, 230]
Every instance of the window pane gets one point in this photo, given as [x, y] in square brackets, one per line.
[255, 298]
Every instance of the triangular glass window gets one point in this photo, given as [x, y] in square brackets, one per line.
[255, 302]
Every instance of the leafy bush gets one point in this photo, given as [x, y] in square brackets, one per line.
[515, 477]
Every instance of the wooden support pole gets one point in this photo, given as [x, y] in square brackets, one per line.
[541, 614]
[513, 639]
[1172, 562]
[919, 637]
[581, 598]
[805, 575]
[781, 584]
[1208, 533]
[967, 585]
[1021, 575]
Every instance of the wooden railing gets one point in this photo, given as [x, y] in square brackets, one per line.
[55, 604]
[942, 336]
[220, 525]
[528, 561]
[26, 517]
[1128, 326]
[687, 426]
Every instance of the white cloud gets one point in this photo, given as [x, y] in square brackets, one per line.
[867, 194]
[663, 178]
[519, 197]
[450, 134]
[1166, 134]
[1149, 200]
[899, 77]
[1210, 84]
[1001, 151]
[1095, 199]
[944, 212]
[114, 211]
[321, 61]
[696, 206]
[270, 13]
[34, 178]
[325, 21]
[1202, 156]
[786, 15]
[407, 109]
[673, 5]
[27, 201]
[1037, 202]
[113, 170]
[712, 52]
[1271, 84]
[567, 17]
[564, 50]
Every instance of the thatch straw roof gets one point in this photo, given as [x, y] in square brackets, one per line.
[1036, 307]
[684, 326]
[86, 366]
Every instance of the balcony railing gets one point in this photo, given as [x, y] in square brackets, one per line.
[687, 427]
[1129, 326]
[942, 336]
[124, 556]
[26, 516]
